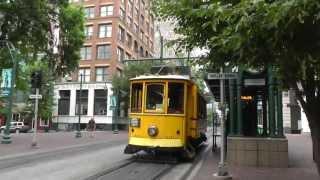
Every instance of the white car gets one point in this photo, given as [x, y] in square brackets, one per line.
[16, 125]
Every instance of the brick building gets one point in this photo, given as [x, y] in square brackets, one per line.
[115, 30]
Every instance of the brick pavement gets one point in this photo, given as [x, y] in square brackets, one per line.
[301, 166]
[21, 143]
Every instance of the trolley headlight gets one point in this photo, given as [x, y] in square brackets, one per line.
[135, 122]
[153, 131]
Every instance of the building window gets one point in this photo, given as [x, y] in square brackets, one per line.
[130, 8]
[129, 40]
[85, 53]
[136, 13]
[129, 22]
[121, 34]
[151, 44]
[141, 35]
[88, 32]
[136, 48]
[120, 54]
[122, 14]
[100, 101]
[151, 32]
[83, 103]
[142, 8]
[64, 102]
[104, 52]
[147, 27]
[141, 52]
[136, 28]
[106, 11]
[105, 30]
[85, 72]
[101, 74]
[89, 12]
[142, 20]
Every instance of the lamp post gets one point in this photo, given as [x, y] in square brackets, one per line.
[58, 99]
[78, 134]
[6, 139]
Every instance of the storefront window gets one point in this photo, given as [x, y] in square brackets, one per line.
[100, 101]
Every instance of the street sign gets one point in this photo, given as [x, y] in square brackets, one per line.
[254, 82]
[222, 76]
[34, 96]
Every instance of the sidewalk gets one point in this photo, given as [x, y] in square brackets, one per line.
[301, 166]
[21, 143]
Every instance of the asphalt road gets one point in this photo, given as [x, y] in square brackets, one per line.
[69, 163]
[102, 159]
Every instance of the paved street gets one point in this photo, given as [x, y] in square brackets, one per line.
[60, 156]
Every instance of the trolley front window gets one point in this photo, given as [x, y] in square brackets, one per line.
[175, 98]
[154, 101]
[136, 97]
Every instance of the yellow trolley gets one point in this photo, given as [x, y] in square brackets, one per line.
[167, 113]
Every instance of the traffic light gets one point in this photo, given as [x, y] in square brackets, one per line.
[36, 79]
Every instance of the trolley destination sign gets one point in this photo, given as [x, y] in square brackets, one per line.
[212, 76]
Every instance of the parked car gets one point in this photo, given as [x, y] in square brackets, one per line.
[15, 125]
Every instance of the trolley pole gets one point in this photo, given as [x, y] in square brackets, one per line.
[223, 169]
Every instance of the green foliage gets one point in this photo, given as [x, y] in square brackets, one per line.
[27, 24]
[122, 83]
[255, 34]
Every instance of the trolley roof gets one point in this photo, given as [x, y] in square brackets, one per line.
[173, 77]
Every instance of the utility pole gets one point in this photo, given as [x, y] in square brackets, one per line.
[9, 86]
[34, 139]
[223, 169]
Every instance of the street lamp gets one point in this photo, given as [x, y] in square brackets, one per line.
[6, 139]
[58, 99]
[114, 107]
[78, 134]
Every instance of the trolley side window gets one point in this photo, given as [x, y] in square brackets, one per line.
[175, 98]
[154, 100]
[136, 97]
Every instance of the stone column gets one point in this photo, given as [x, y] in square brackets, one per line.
[239, 104]
[271, 103]
[232, 108]
[280, 115]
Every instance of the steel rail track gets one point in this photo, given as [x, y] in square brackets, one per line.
[132, 169]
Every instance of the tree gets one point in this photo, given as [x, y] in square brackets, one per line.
[30, 26]
[122, 83]
[257, 33]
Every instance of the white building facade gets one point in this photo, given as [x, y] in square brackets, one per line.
[95, 103]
